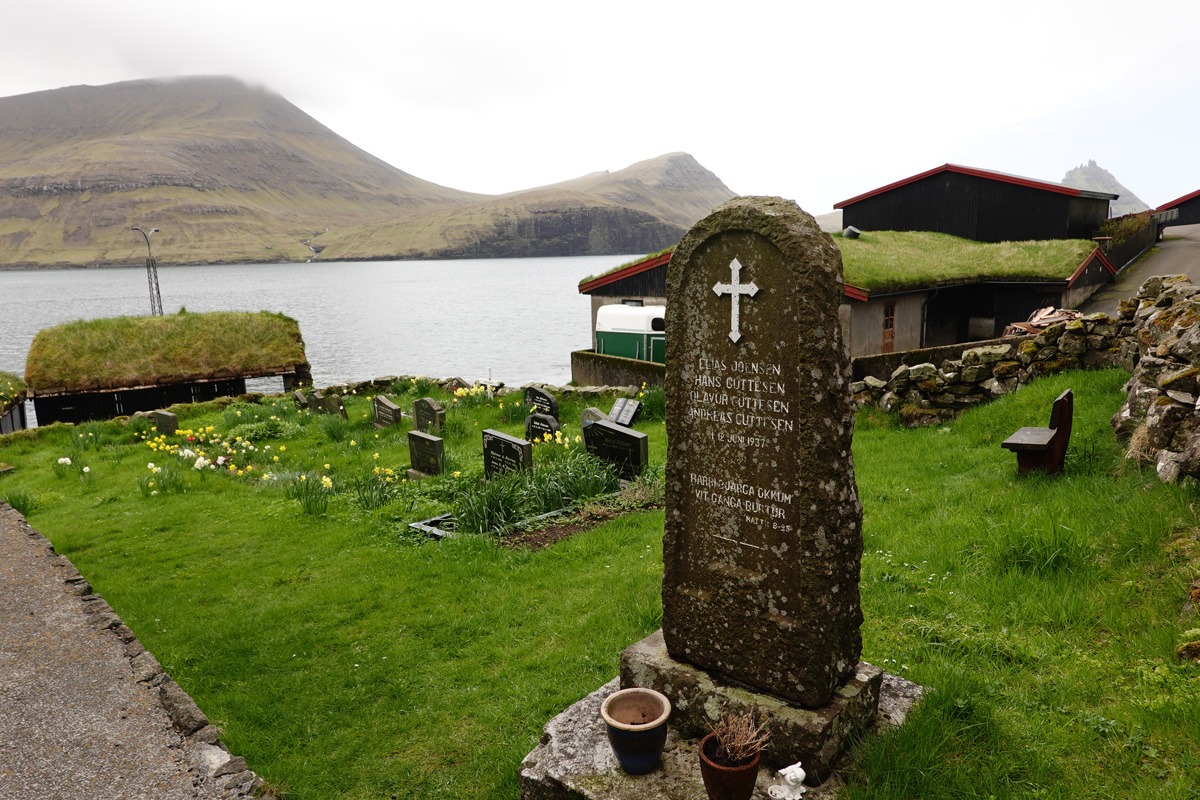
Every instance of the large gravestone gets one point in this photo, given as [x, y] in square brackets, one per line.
[428, 415]
[763, 538]
[542, 400]
[615, 444]
[426, 454]
[387, 413]
[503, 453]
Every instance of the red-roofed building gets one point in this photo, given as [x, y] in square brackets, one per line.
[1188, 206]
[979, 204]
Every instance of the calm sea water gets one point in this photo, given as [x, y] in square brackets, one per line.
[521, 317]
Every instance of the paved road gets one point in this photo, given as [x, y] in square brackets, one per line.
[1178, 253]
[78, 717]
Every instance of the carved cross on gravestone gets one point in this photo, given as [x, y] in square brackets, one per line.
[735, 290]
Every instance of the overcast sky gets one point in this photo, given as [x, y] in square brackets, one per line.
[809, 101]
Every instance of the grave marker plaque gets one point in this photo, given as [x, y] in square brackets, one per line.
[426, 453]
[538, 425]
[504, 453]
[615, 444]
[386, 412]
[166, 421]
[428, 415]
[763, 537]
[543, 401]
[625, 411]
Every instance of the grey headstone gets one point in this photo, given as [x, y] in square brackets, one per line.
[615, 444]
[166, 421]
[428, 415]
[386, 412]
[426, 453]
[851, 232]
[316, 401]
[300, 400]
[538, 425]
[543, 401]
[332, 404]
[504, 453]
[625, 411]
[592, 414]
[763, 539]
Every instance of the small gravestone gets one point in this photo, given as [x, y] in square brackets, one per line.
[332, 404]
[763, 536]
[543, 401]
[592, 414]
[625, 411]
[456, 383]
[300, 400]
[387, 413]
[614, 444]
[316, 401]
[503, 453]
[428, 415]
[537, 426]
[166, 422]
[426, 454]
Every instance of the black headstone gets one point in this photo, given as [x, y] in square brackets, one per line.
[386, 412]
[544, 402]
[538, 425]
[617, 445]
[428, 414]
[426, 453]
[504, 453]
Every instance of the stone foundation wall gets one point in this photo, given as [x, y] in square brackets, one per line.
[1160, 419]
[929, 393]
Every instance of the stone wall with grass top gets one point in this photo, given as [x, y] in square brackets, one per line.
[929, 393]
[1160, 419]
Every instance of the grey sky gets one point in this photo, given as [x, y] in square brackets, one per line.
[809, 101]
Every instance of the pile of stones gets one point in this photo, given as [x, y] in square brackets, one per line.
[927, 394]
[1160, 419]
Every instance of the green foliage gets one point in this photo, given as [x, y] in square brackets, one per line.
[312, 491]
[1122, 229]
[654, 403]
[22, 501]
[335, 428]
[11, 388]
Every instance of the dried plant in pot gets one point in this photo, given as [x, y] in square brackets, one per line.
[729, 756]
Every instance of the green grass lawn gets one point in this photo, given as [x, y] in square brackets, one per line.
[347, 658]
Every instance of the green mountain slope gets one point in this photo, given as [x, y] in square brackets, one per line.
[229, 172]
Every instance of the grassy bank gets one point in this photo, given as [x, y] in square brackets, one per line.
[11, 387]
[346, 658]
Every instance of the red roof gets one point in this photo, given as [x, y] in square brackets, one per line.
[624, 272]
[1178, 201]
[982, 173]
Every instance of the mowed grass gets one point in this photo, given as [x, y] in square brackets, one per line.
[345, 658]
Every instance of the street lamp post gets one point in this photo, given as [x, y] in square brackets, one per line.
[152, 274]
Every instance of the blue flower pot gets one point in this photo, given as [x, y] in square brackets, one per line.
[636, 720]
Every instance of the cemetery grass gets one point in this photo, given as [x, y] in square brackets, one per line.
[346, 658]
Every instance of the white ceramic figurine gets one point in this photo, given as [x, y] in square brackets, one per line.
[792, 786]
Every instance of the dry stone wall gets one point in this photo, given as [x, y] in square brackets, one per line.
[928, 393]
[1160, 419]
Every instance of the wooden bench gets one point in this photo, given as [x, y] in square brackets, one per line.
[1044, 449]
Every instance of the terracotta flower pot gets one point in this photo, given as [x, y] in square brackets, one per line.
[726, 783]
[636, 720]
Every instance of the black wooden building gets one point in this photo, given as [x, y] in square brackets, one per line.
[1189, 209]
[979, 204]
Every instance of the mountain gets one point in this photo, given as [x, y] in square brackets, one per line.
[230, 172]
[1095, 178]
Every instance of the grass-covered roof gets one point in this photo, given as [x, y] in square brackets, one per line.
[889, 261]
[122, 352]
[893, 261]
[12, 389]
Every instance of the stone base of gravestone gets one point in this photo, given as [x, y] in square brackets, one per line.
[574, 759]
[815, 736]
[416, 475]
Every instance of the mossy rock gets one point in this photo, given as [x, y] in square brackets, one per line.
[1005, 369]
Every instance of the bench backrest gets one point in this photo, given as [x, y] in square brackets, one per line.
[1061, 415]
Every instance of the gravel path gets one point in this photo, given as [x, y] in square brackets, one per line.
[85, 711]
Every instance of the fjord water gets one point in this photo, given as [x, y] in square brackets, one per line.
[521, 317]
